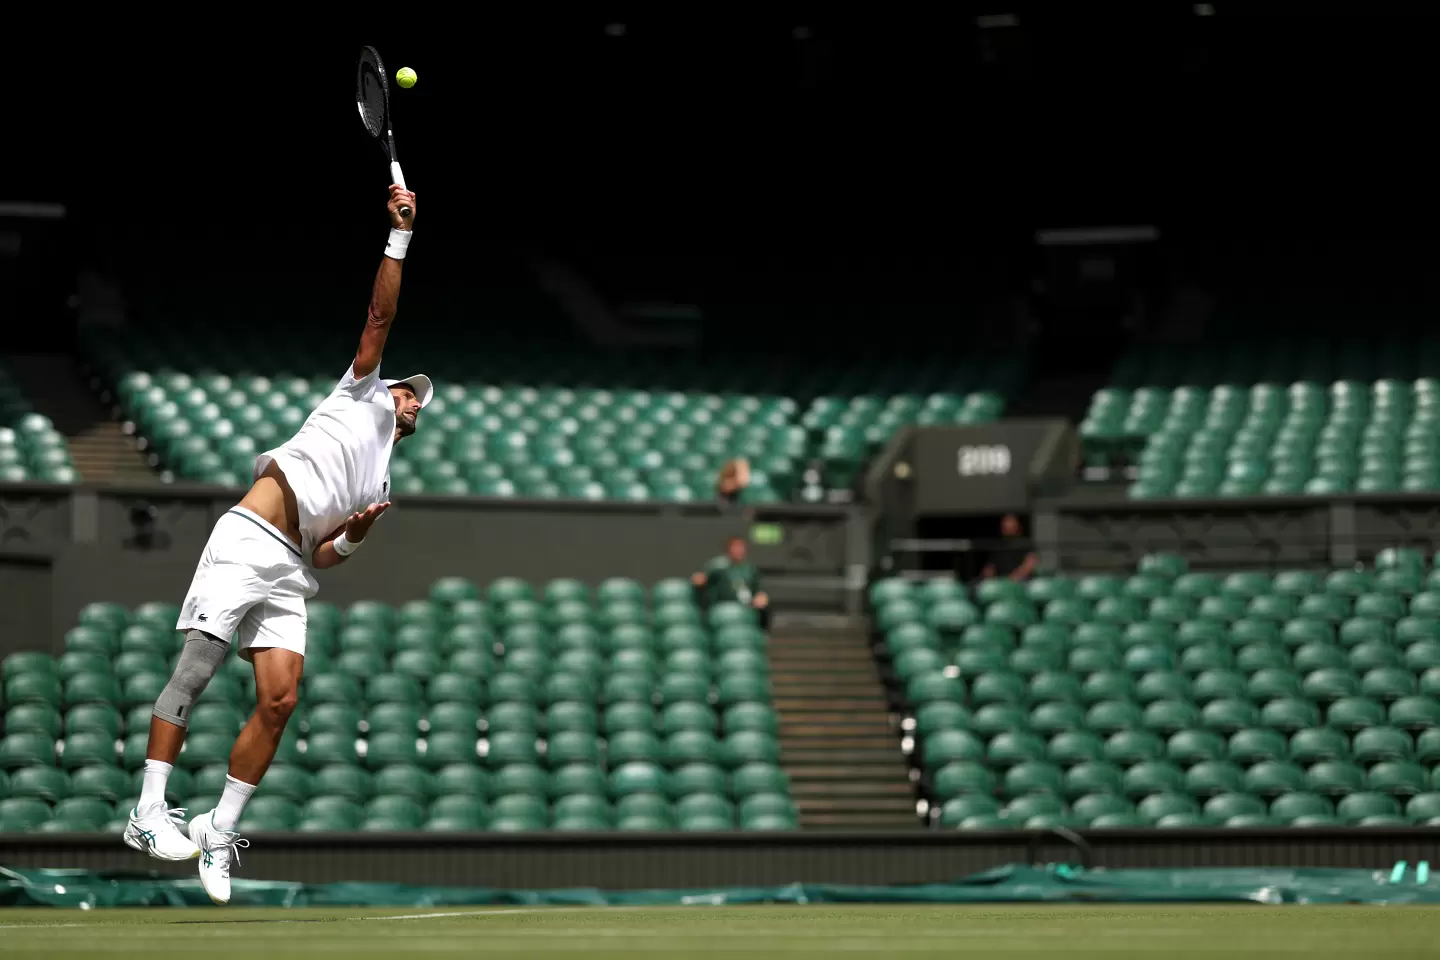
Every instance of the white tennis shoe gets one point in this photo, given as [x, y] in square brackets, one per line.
[217, 849]
[157, 832]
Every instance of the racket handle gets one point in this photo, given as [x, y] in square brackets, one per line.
[397, 177]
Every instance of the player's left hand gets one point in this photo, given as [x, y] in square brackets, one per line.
[400, 197]
[358, 524]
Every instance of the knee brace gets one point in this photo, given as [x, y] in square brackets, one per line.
[199, 660]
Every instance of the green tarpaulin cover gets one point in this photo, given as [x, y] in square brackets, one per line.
[1054, 883]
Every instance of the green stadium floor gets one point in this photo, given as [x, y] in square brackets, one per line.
[775, 931]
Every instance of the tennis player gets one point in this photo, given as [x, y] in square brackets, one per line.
[312, 504]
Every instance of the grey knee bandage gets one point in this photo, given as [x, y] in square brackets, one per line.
[201, 657]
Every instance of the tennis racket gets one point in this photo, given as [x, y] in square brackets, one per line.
[372, 96]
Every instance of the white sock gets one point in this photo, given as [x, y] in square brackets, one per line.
[232, 804]
[152, 788]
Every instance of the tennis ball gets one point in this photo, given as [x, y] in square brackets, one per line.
[406, 77]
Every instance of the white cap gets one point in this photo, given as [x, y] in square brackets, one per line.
[420, 383]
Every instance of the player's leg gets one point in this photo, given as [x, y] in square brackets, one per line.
[223, 591]
[272, 637]
[153, 826]
[277, 689]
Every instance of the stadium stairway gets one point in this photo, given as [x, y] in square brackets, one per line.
[101, 450]
[837, 739]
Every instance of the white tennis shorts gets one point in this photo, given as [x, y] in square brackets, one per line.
[251, 586]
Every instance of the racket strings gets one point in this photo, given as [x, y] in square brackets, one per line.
[370, 93]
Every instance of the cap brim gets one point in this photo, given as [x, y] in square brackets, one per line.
[420, 383]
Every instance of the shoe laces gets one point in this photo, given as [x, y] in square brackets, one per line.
[232, 843]
[176, 815]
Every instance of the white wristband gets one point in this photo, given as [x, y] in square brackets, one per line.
[399, 241]
[343, 546]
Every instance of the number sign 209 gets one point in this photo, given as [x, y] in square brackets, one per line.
[989, 461]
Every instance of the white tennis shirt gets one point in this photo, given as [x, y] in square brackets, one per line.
[339, 460]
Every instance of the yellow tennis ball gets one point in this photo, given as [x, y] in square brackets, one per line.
[406, 77]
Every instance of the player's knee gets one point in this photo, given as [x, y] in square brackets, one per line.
[275, 709]
[199, 661]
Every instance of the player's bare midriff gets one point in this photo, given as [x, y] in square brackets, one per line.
[273, 501]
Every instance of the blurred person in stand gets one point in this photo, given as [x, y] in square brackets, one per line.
[1015, 558]
[731, 577]
[730, 486]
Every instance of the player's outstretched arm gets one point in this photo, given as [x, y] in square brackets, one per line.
[386, 293]
[334, 549]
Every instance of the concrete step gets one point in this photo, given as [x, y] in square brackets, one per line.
[810, 700]
[821, 714]
[842, 768]
[104, 453]
[856, 805]
[812, 753]
[848, 650]
[856, 678]
[886, 789]
[797, 686]
[820, 731]
[868, 741]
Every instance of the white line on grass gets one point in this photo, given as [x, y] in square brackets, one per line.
[501, 912]
[40, 926]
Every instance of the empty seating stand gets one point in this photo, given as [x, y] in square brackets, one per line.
[562, 707]
[508, 425]
[1171, 698]
[1310, 417]
[31, 449]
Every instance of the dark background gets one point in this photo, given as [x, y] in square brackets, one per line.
[762, 154]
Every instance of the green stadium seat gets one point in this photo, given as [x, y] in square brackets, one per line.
[1398, 778]
[1317, 744]
[1111, 685]
[322, 749]
[45, 719]
[84, 748]
[1427, 746]
[1257, 745]
[1033, 777]
[1048, 718]
[698, 777]
[106, 782]
[962, 777]
[1187, 747]
[78, 662]
[1152, 777]
[218, 717]
[1335, 778]
[404, 780]
[1330, 607]
[22, 814]
[1271, 778]
[1423, 807]
[1212, 777]
[1014, 747]
[1376, 744]
[1361, 805]
[1303, 630]
[1128, 747]
[1092, 777]
[35, 687]
[1415, 712]
[1110, 716]
[1291, 807]
[960, 809]
[1196, 585]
